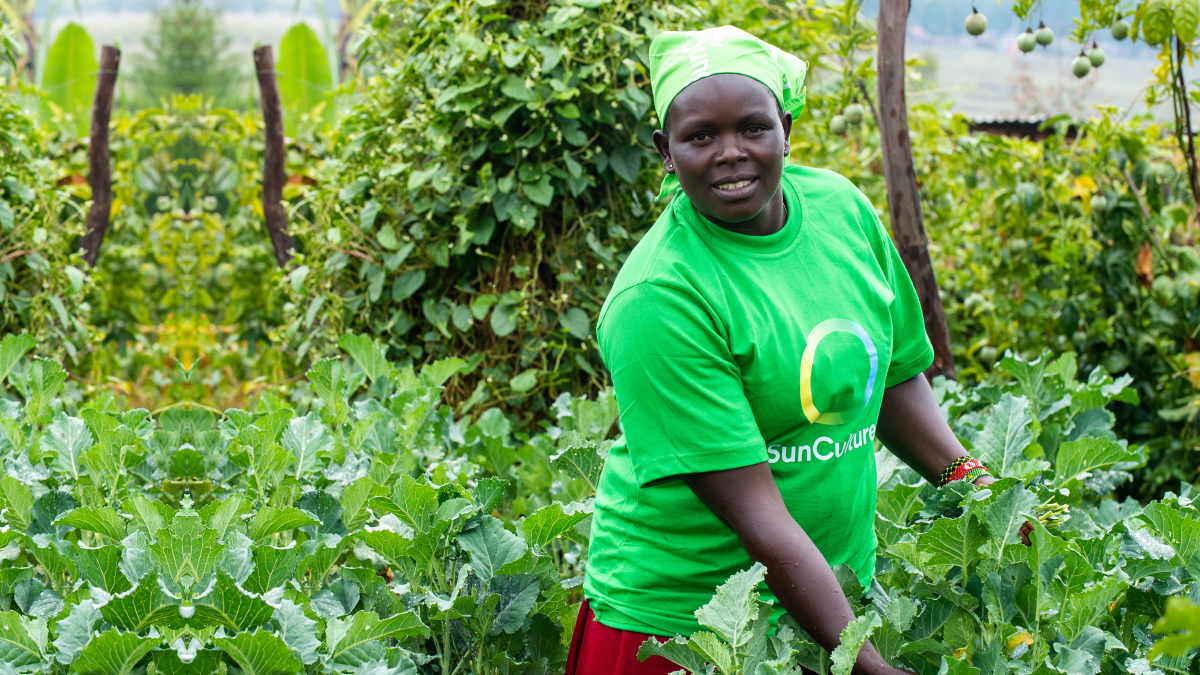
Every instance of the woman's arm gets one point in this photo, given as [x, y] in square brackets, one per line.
[748, 501]
[912, 427]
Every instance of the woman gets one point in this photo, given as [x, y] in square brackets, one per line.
[760, 336]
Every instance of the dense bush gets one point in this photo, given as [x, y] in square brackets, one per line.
[411, 232]
[41, 218]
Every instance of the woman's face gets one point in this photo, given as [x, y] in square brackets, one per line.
[725, 141]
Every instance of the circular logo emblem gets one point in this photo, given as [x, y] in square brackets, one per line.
[824, 328]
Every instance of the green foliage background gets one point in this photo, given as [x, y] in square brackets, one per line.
[387, 450]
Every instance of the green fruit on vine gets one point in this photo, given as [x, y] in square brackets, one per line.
[854, 114]
[1044, 35]
[988, 354]
[1096, 56]
[976, 23]
[1099, 203]
[1018, 245]
[1120, 30]
[1027, 41]
[838, 125]
[1081, 66]
[1080, 337]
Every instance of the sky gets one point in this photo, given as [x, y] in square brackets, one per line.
[984, 76]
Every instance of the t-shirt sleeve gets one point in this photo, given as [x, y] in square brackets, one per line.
[679, 390]
[911, 351]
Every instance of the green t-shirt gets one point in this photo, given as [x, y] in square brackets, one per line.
[728, 350]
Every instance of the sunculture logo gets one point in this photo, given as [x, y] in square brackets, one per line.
[824, 449]
[814, 415]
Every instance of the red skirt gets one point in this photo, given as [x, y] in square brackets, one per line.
[597, 649]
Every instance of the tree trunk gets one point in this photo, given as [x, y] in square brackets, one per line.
[345, 57]
[904, 199]
[273, 155]
[99, 170]
[31, 40]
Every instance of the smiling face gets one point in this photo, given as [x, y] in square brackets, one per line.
[725, 139]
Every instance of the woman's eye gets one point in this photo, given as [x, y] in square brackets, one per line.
[702, 136]
[754, 129]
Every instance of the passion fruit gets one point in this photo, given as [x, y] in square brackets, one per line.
[976, 23]
[1096, 56]
[1027, 41]
[1081, 66]
[988, 355]
[1099, 203]
[1120, 30]
[1044, 35]
[838, 125]
[854, 114]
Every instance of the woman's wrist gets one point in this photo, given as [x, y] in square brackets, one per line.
[965, 468]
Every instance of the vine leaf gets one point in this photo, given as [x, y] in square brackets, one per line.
[368, 355]
[12, 348]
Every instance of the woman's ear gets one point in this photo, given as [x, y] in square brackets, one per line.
[664, 150]
[786, 120]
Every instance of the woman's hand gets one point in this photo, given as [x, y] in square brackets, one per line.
[748, 501]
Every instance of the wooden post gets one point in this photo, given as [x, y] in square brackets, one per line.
[273, 155]
[904, 198]
[99, 171]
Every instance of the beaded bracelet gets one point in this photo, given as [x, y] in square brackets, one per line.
[964, 468]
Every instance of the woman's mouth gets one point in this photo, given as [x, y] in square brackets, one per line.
[736, 189]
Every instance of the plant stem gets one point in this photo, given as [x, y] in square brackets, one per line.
[1190, 154]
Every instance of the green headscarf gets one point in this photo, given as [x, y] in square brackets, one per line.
[678, 59]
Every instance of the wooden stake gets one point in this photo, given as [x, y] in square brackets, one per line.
[99, 170]
[273, 156]
[904, 198]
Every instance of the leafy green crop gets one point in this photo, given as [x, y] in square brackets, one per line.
[362, 531]
[956, 589]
